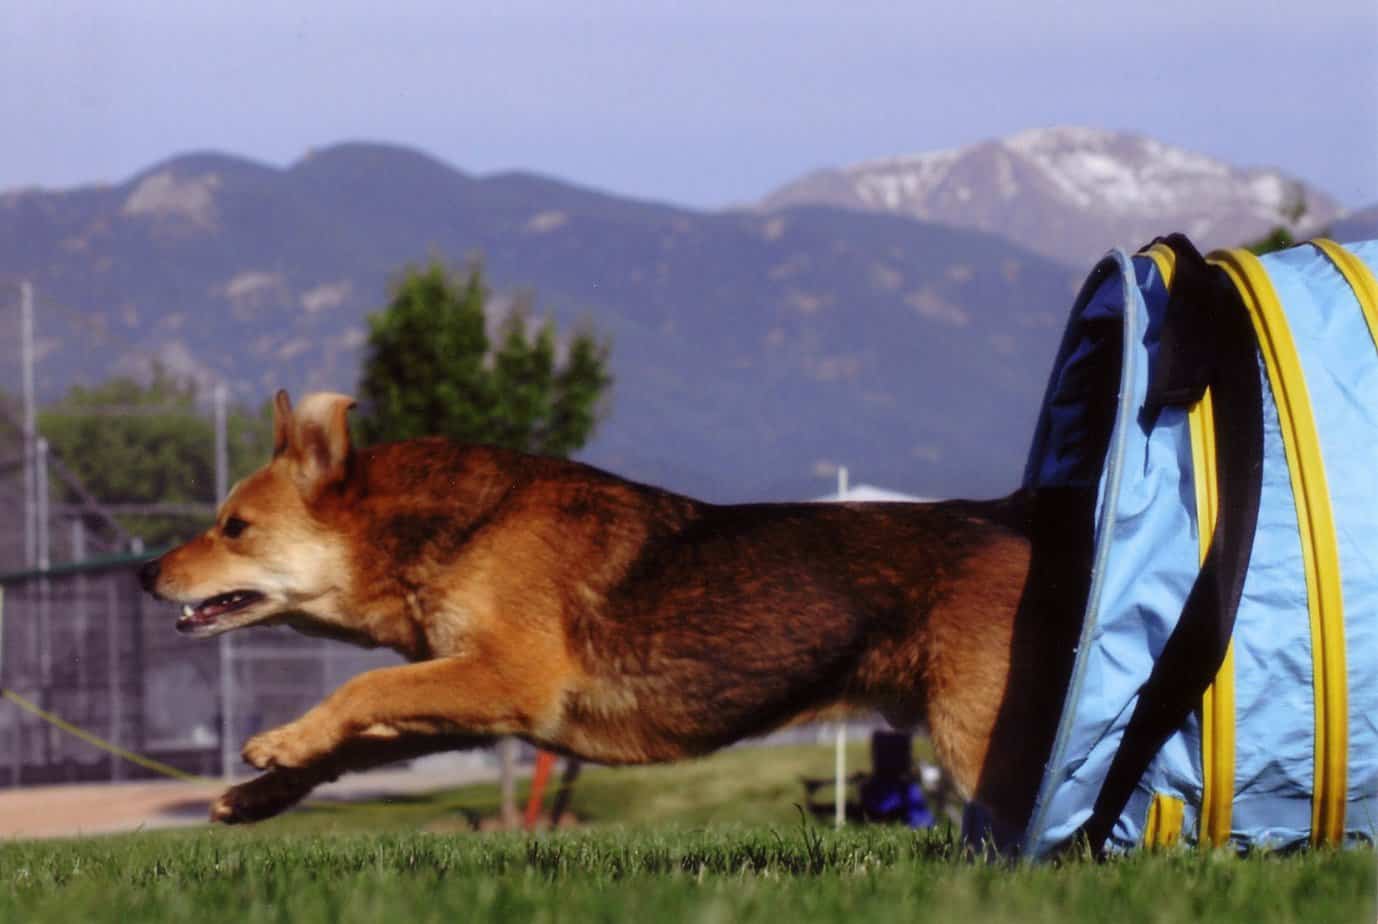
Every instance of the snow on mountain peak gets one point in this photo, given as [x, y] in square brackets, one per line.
[1037, 139]
[1128, 173]
[1089, 184]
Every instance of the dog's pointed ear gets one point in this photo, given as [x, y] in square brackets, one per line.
[318, 441]
[282, 422]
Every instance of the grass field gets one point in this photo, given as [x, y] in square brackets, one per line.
[712, 841]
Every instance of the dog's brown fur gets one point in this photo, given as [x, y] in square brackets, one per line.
[611, 620]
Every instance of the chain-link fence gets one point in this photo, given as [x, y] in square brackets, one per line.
[79, 639]
[84, 643]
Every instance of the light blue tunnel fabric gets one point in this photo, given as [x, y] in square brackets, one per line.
[1147, 557]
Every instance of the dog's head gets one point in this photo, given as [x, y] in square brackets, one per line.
[269, 556]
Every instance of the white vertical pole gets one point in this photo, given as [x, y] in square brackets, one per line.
[26, 361]
[840, 744]
[44, 545]
[81, 630]
[840, 784]
[507, 783]
[14, 721]
[222, 456]
[227, 685]
[115, 692]
[45, 622]
[16, 749]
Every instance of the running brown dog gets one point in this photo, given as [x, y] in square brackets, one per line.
[606, 619]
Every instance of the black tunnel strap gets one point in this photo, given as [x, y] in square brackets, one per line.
[1207, 341]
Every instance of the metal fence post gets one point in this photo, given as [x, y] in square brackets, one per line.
[840, 744]
[138, 667]
[112, 636]
[507, 782]
[227, 678]
[80, 621]
[13, 713]
[45, 624]
[26, 352]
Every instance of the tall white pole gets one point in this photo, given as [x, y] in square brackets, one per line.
[26, 360]
[840, 745]
[41, 517]
[114, 693]
[507, 783]
[219, 399]
[43, 562]
[79, 616]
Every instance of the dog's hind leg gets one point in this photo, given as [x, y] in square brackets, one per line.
[446, 697]
[278, 790]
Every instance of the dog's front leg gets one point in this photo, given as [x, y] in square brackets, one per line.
[449, 696]
[264, 796]
[276, 791]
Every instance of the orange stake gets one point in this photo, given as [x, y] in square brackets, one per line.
[545, 761]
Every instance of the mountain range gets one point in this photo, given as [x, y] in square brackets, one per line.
[1072, 193]
[753, 349]
[1357, 226]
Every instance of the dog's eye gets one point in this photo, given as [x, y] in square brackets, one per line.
[233, 527]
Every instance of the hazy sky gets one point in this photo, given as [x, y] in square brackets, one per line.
[702, 103]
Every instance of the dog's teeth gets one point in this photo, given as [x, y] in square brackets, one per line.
[188, 610]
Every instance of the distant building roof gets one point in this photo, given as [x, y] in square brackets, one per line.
[871, 493]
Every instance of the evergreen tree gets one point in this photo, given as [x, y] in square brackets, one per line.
[431, 368]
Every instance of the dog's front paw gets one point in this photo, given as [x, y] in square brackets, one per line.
[260, 798]
[289, 747]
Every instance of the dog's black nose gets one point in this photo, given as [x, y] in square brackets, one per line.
[148, 575]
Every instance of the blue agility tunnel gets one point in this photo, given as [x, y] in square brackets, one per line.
[1211, 425]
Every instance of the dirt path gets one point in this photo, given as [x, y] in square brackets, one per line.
[101, 808]
[75, 809]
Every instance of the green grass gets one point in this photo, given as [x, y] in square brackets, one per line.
[712, 841]
[737, 875]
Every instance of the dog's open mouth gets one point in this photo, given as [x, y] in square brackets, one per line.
[208, 612]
